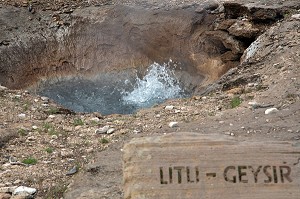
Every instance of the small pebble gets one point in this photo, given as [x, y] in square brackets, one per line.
[54, 137]
[2, 88]
[136, 131]
[110, 131]
[173, 124]
[271, 111]
[90, 150]
[72, 171]
[102, 130]
[296, 16]
[169, 107]
[46, 99]
[95, 119]
[34, 127]
[22, 115]
[31, 138]
[22, 190]
[17, 182]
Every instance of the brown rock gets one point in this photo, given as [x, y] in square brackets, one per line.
[7, 189]
[5, 196]
[228, 41]
[191, 165]
[66, 153]
[224, 25]
[243, 29]
[19, 197]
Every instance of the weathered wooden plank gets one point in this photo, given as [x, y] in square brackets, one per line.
[189, 165]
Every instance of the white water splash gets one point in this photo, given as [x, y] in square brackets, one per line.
[121, 93]
[158, 85]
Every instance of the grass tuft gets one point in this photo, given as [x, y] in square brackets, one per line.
[49, 150]
[104, 141]
[30, 161]
[78, 122]
[235, 102]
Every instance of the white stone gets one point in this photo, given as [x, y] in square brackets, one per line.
[34, 127]
[296, 16]
[2, 88]
[271, 111]
[24, 190]
[102, 130]
[252, 103]
[250, 84]
[22, 115]
[54, 137]
[77, 128]
[110, 131]
[51, 116]
[45, 99]
[136, 131]
[173, 124]
[169, 107]
[95, 119]
[31, 138]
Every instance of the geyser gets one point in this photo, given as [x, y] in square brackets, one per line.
[121, 93]
[105, 59]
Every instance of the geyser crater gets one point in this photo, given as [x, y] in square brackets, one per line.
[111, 59]
[122, 92]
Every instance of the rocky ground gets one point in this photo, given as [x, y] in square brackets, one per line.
[71, 155]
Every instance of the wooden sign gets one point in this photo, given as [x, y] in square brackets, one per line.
[189, 165]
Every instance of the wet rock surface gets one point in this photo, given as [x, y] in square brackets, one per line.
[40, 141]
